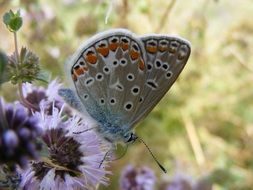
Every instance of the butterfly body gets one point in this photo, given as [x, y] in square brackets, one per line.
[118, 77]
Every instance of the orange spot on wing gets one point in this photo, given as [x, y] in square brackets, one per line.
[91, 58]
[113, 46]
[151, 49]
[141, 65]
[80, 71]
[124, 46]
[104, 51]
[74, 77]
[162, 49]
[134, 54]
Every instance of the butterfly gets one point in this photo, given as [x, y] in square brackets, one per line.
[119, 77]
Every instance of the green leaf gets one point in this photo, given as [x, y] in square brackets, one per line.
[13, 21]
[16, 23]
[6, 18]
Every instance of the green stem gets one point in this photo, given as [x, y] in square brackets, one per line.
[23, 101]
[16, 47]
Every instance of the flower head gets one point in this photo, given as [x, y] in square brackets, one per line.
[137, 178]
[18, 132]
[73, 159]
[37, 95]
[25, 71]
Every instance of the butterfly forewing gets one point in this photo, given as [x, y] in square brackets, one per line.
[166, 58]
[109, 75]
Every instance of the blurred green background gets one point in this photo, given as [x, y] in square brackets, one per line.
[203, 127]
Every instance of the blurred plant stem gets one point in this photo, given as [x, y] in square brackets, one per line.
[194, 140]
[165, 16]
[16, 46]
[108, 13]
[124, 11]
[20, 84]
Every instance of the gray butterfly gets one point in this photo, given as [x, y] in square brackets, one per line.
[119, 77]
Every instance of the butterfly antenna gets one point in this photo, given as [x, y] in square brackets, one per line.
[158, 163]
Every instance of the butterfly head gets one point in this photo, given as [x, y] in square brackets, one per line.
[130, 138]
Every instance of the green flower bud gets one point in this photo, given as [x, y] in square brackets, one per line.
[26, 70]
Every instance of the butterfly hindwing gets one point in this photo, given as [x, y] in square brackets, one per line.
[108, 73]
[166, 58]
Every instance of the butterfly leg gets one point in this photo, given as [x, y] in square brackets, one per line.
[71, 98]
[108, 154]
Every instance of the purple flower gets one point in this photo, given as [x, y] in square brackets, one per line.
[182, 181]
[18, 132]
[36, 95]
[137, 178]
[179, 182]
[73, 159]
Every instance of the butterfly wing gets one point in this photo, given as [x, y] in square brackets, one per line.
[166, 58]
[108, 74]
